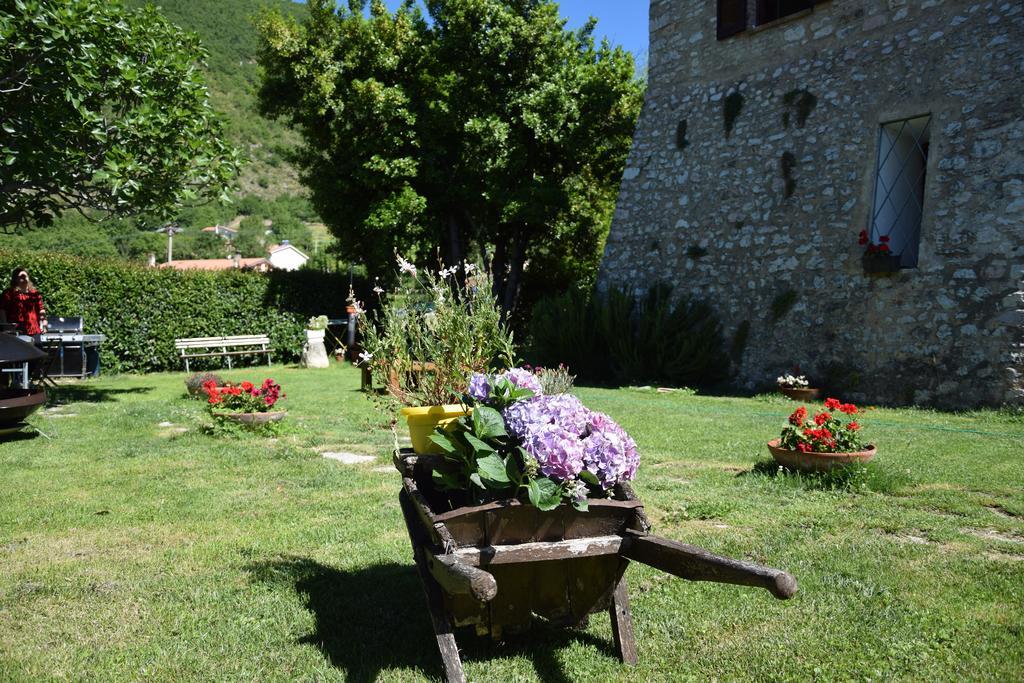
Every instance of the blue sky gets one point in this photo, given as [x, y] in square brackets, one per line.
[624, 22]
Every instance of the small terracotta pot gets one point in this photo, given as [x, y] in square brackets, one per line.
[817, 462]
[252, 418]
[801, 393]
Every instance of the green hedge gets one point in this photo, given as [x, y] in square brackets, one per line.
[143, 310]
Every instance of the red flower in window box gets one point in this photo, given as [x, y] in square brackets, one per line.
[878, 257]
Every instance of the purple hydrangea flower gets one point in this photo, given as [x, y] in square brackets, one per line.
[523, 379]
[479, 386]
[563, 410]
[609, 452]
[558, 451]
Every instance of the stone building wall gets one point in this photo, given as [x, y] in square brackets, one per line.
[763, 221]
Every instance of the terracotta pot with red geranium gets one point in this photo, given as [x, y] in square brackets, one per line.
[245, 403]
[829, 440]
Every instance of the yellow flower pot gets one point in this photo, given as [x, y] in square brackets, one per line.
[422, 422]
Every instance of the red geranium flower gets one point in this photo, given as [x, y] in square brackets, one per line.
[822, 418]
[798, 416]
[246, 386]
[883, 248]
[831, 403]
[863, 239]
[848, 408]
[853, 426]
[883, 239]
[803, 448]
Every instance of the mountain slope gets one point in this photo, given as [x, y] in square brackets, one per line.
[226, 30]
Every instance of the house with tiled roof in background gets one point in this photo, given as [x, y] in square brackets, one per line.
[286, 256]
[259, 265]
[225, 231]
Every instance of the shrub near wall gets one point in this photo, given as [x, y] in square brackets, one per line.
[617, 337]
[143, 310]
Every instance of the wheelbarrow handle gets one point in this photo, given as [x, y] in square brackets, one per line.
[696, 564]
[458, 577]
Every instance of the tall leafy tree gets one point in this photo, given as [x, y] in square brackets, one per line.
[488, 129]
[102, 108]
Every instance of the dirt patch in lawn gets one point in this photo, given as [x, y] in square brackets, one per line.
[993, 535]
[1000, 511]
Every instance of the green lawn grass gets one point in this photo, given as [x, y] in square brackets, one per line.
[133, 550]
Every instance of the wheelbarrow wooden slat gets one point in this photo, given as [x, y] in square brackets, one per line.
[485, 556]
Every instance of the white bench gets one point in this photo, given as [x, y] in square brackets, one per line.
[239, 345]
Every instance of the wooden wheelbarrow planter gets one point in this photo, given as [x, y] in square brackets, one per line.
[494, 566]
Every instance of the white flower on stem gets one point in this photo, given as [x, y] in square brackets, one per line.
[468, 268]
[378, 290]
[445, 273]
[365, 356]
[405, 266]
[358, 307]
[576, 489]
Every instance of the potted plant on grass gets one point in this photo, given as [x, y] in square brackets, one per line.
[245, 403]
[196, 383]
[827, 441]
[797, 387]
[426, 339]
[314, 353]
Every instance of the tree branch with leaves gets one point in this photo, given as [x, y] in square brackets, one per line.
[103, 109]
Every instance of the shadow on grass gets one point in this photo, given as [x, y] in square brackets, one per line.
[75, 393]
[375, 619]
[858, 478]
[26, 433]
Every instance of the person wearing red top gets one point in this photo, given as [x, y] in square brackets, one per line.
[23, 304]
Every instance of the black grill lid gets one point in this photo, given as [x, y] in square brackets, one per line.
[64, 324]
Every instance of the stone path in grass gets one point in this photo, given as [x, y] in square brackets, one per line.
[348, 458]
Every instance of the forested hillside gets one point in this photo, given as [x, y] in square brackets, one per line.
[226, 30]
[269, 206]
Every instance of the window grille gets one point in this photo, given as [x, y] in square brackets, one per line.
[898, 204]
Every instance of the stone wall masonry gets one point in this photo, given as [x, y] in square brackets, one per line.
[762, 222]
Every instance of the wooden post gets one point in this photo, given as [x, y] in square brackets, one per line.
[446, 644]
[622, 623]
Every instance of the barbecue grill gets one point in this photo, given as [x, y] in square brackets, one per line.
[68, 347]
[17, 403]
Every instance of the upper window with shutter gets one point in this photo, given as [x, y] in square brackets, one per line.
[732, 17]
[732, 14]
